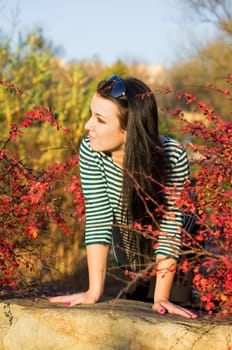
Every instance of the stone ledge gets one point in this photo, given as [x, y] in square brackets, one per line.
[108, 325]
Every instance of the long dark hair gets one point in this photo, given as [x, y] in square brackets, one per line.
[143, 157]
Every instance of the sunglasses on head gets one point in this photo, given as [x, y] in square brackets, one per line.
[118, 88]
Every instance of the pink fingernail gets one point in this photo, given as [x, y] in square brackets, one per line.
[68, 303]
[162, 311]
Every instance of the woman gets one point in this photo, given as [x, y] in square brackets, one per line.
[125, 167]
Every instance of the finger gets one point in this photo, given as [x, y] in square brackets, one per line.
[184, 312]
[162, 310]
[157, 307]
[77, 301]
[62, 299]
[174, 309]
[80, 300]
[191, 314]
[188, 312]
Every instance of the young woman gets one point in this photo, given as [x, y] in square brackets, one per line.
[125, 164]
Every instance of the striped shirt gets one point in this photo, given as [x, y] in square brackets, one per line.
[102, 183]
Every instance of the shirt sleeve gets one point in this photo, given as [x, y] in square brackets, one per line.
[169, 242]
[99, 213]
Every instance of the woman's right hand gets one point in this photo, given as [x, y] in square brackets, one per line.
[74, 299]
[97, 260]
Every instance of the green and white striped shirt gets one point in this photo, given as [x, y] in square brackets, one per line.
[102, 183]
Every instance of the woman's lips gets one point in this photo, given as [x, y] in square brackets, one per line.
[91, 137]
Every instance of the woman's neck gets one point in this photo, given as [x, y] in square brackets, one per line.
[117, 157]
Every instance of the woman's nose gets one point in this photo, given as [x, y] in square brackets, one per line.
[89, 124]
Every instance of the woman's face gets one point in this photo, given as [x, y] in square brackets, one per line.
[103, 126]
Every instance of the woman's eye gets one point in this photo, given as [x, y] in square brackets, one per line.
[100, 120]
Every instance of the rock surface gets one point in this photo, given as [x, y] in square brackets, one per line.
[108, 325]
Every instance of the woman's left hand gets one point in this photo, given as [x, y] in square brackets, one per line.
[165, 306]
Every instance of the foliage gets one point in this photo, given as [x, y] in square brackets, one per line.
[206, 66]
[209, 60]
[31, 200]
[211, 247]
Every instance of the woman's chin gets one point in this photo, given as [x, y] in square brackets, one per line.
[95, 147]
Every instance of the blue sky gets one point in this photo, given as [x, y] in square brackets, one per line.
[145, 31]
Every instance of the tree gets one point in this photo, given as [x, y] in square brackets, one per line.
[211, 61]
[218, 12]
[210, 65]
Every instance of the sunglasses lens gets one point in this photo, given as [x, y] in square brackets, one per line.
[113, 78]
[118, 87]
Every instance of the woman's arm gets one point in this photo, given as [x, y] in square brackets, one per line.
[170, 239]
[97, 263]
[164, 280]
[165, 274]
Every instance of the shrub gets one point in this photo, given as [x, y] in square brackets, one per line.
[31, 200]
[210, 150]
